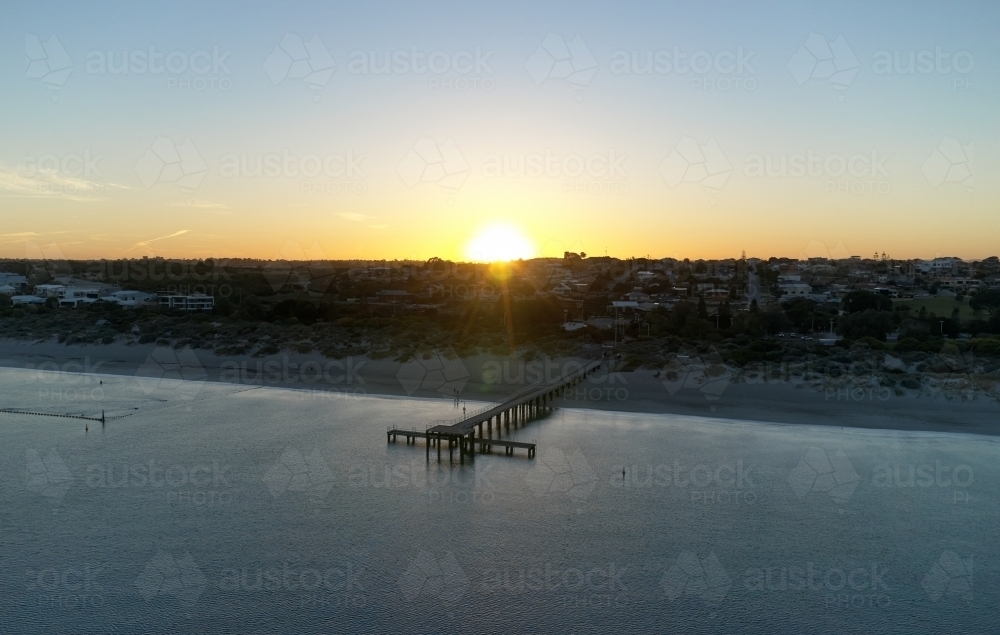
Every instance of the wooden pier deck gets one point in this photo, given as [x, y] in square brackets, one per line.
[517, 408]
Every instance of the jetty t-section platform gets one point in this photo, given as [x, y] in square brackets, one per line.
[516, 409]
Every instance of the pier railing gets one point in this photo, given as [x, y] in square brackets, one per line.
[517, 394]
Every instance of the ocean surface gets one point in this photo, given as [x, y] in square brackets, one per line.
[210, 508]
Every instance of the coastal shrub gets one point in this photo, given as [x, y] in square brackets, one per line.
[871, 343]
[914, 329]
[986, 346]
[867, 323]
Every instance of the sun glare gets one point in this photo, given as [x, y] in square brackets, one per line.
[499, 242]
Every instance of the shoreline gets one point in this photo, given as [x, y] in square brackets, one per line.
[486, 378]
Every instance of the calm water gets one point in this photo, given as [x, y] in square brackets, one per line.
[212, 510]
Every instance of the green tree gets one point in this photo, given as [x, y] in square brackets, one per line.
[987, 299]
[858, 301]
[867, 323]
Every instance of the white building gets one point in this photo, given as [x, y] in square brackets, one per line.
[50, 290]
[795, 290]
[13, 280]
[26, 299]
[74, 296]
[193, 302]
[130, 298]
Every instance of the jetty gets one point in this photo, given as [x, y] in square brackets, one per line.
[475, 430]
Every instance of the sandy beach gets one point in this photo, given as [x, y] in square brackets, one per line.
[781, 400]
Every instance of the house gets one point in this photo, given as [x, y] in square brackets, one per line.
[795, 289]
[50, 290]
[961, 284]
[129, 298]
[74, 296]
[637, 295]
[561, 289]
[394, 296]
[19, 283]
[190, 303]
[887, 291]
[938, 266]
[26, 299]
[6, 289]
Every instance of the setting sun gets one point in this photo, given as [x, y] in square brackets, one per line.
[499, 242]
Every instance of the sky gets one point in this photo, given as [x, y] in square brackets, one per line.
[408, 130]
